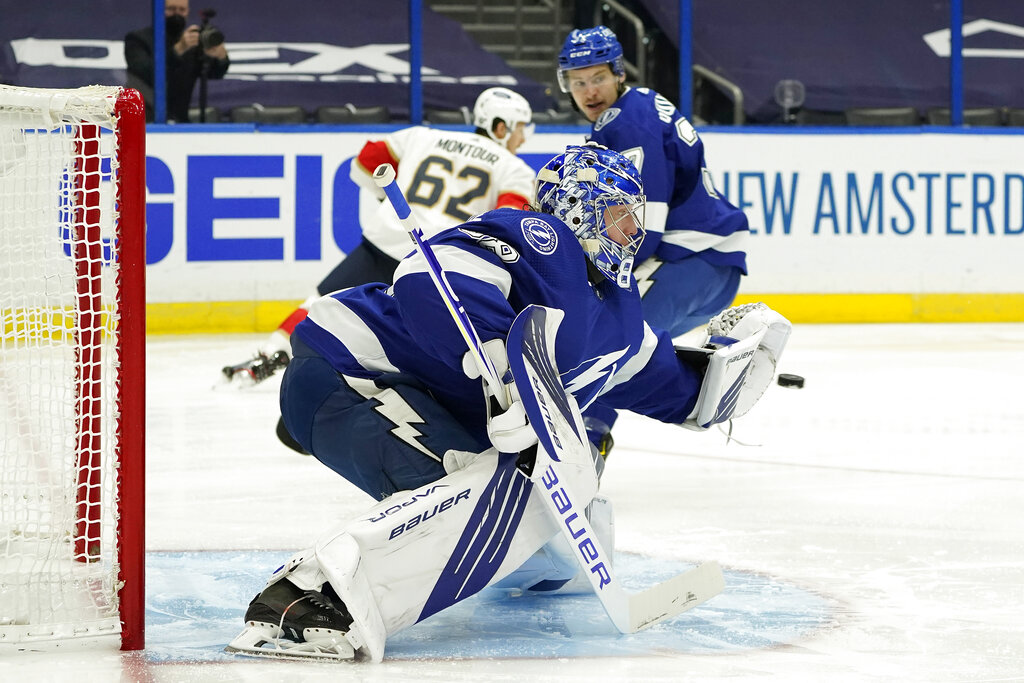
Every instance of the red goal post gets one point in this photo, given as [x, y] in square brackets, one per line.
[72, 366]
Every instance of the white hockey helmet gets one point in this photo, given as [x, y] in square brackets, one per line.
[504, 104]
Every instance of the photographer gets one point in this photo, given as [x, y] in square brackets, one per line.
[192, 53]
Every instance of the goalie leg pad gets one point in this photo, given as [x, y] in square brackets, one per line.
[419, 552]
[744, 344]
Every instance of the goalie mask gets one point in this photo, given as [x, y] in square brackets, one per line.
[506, 105]
[589, 47]
[598, 193]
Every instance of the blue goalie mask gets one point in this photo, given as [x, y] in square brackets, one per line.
[589, 47]
[598, 193]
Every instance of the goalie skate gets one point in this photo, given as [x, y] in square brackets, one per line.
[286, 621]
[256, 369]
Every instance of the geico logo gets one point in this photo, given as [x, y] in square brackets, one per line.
[268, 207]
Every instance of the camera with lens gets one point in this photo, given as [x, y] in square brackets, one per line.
[209, 35]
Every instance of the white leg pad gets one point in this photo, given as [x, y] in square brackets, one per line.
[302, 570]
[348, 578]
[418, 552]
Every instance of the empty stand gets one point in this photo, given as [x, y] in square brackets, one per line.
[212, 115]
[883, 116]
[349, 113]
[462, 115]
[986, 116]
[257, 113]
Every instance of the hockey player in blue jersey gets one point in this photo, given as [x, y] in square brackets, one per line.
[690, 264]
[381, 389]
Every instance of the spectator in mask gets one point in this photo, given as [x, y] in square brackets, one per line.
[185, 61]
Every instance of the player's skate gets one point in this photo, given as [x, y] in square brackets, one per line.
[257, 369]
[743, 345]
[286, 621]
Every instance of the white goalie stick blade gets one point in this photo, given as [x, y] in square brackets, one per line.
[265, 640]
[562, 450]
[675, 596]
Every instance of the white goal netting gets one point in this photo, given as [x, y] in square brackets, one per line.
[60, 388]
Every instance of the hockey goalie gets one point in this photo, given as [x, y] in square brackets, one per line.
[473, 484]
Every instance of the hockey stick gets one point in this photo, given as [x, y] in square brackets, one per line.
[560, 434]
[384, 176]
[556, 419]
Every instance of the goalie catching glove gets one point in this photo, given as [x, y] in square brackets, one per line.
[742, 347]
[509, 430]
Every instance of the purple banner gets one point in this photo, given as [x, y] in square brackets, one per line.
[873, 53]
[309, 53]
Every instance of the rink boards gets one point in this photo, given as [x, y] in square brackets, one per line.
[886, 226]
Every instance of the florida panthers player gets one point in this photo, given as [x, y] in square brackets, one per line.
[690, 264]
[381, 391]
[447, 177]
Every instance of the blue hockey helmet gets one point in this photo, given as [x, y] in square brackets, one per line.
[589, 47]
[598, 193]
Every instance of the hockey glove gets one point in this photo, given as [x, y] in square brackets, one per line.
[742, 347]
[508, 430]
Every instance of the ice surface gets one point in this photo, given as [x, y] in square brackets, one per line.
[871, 529]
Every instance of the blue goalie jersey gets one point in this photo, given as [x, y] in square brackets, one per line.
[498, 264]
[685, 214]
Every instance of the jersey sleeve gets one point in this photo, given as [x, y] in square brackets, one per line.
[515, 184]
[659, 385]
[376, 152]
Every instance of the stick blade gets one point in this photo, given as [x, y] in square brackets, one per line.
[675, 596]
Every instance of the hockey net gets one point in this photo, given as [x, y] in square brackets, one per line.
[72, 365]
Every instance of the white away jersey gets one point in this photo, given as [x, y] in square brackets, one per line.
[447, 177]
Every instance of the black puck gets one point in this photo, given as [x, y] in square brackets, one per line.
[792, 381]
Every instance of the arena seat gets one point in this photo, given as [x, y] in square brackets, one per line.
[462, 115]
[820, 117]
[212, 115]
[257, 113]
[882, 116]
[1014, 117]
[349, 113]
[986, 116]
[565, 118]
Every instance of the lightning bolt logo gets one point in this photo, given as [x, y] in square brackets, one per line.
[600, 369]
[644, 274]
[396, 410]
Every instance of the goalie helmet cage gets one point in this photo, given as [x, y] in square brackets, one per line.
[72, 366]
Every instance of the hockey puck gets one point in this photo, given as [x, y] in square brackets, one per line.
[792, 381]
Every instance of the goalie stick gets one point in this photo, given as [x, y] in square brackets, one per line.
[384, 176]
[555, 417]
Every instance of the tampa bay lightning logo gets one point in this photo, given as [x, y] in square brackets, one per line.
[606, 117]
[539, 235]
